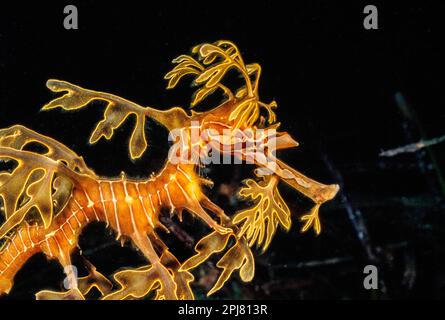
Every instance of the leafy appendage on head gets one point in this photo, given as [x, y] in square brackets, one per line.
[209, 68]
[212, 63]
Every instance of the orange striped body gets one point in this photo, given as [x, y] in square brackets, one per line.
[129, 207]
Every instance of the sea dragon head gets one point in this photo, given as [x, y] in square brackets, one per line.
[239, 127]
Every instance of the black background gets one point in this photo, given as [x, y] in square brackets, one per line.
[340, 88]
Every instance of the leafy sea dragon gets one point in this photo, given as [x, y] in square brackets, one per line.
[49, 195]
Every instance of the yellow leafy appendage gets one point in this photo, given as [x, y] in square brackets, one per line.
[49, 194]
[239, 256]
[260, 221]
[34, 182]
[116, 112]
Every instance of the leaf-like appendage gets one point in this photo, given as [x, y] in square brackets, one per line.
[31, 180]
[135, 283]
[239, 256]
[245, 114]
[117, 111]
[35, 181]
[208, 245]
[209, 68]
[185, 65]
[94, 280]
[165, 278]
[38, 192]
[259, 223]
[114, 116]
[63, 188]
[200, 94]
[19, 137]
[182, 278]
[213, 75]
[312, 219]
